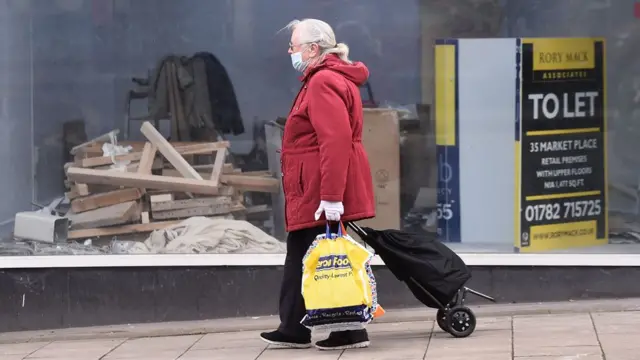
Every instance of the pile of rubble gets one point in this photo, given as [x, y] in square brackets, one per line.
[139, 187]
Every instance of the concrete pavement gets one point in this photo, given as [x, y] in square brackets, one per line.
[583, 336]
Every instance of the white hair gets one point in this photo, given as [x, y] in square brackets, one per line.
[313, 31]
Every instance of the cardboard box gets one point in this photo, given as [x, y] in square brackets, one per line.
[381, 139]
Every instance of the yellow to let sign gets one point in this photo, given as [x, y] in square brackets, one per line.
[563, 54]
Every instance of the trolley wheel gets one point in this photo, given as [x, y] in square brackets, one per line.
[461, 322]
[441, 317]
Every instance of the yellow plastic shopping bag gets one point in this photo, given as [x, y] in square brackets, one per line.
[337, 283]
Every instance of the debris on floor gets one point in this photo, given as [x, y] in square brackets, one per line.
[138, 187]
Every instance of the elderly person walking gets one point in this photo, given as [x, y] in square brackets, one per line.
[326, 172]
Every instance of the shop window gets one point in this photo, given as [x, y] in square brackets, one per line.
[214, 79]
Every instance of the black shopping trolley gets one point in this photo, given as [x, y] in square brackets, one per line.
[435, 274]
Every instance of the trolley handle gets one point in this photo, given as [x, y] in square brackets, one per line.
[358, 230]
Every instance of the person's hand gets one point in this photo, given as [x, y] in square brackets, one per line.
[332, 210]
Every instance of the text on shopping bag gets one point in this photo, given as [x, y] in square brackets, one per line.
[328, 267]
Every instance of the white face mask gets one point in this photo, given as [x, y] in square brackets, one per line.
[296, 61]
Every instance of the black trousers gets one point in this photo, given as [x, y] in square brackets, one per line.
[292, 308]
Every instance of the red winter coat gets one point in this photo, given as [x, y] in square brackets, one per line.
[322, 153]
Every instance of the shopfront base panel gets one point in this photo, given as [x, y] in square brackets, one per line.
[38, 299]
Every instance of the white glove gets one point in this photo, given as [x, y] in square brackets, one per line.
[332, 210]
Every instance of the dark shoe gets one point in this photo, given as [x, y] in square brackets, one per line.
[342, 340]
[277, 338]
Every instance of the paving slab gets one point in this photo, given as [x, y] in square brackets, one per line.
[229, 341]
[307, 354]
[486, 343]
[563, 357]
[76, 349]
[620, 342]
[20, 349]
[261, 323]
[617, 323]
[621, 355]
[160, 348]
[245, 353]
[569, 336]
[558, 351]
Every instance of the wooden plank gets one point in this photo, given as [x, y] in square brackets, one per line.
[136, 146]
[77, 158]
[147, 158]
[206, 211]
[127, 229]
[169, 152]
[189, 203]
[106, 160]
[77, 190]
[218, 165]
[202, 148]
[144, 181]
[258, 209]
[105, 199]
[81, 189]
[106, 216]
[195, 149]
[131, 167]
[203, 167]
[95, 188]
[68, 165]
[265, 173]
[160, 198]
[176, 173]
[222, 191]
[102, 138]
[120, 230]
[226, 168]
[92, 188]
[217, 209]
[251, 183]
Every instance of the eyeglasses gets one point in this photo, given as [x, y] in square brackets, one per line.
[291, 45]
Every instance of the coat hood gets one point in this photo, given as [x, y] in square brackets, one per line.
[356, 72]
